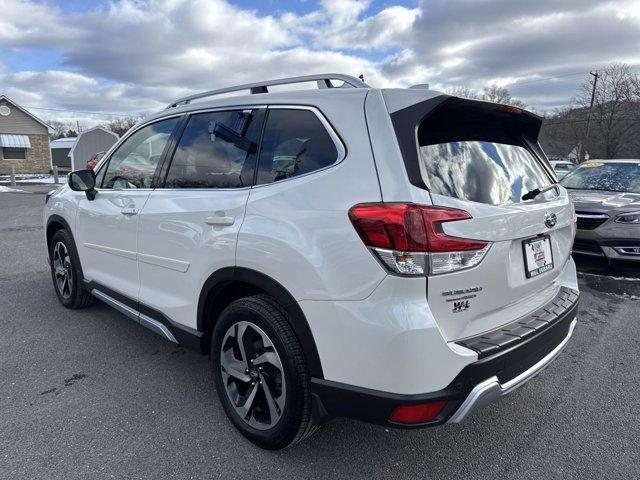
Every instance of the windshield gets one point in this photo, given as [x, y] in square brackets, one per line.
[482, 171]
[612, 177]
[563, 166]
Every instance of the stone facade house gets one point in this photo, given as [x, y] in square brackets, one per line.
[24, 140]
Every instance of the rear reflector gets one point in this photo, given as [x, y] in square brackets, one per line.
[405, 235]
[419, 413]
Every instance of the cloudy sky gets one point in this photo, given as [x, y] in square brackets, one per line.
[131, 56]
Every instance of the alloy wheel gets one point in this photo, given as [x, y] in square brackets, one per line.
[252, 375]
[62, 270]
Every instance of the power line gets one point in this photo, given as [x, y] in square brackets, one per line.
[544, 79]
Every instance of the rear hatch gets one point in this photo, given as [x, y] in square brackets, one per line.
[482, 158]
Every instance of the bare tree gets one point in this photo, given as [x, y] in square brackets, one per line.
[492, 93]
[121, 125]
[61, 129]
[496, 94]
[615, 121]
[463, 92]
[562, 132]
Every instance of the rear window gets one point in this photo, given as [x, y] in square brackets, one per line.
[477, 157]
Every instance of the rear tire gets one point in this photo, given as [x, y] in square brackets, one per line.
[278, 413]
[66, 272]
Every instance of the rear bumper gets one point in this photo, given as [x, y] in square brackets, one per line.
[491, 389]
[478, 384]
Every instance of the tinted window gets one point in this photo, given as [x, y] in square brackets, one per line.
[295, 142]
[100, 175]
[484, 172]
[612, 177]
[133, 164]
[475, 153]
[216, 150]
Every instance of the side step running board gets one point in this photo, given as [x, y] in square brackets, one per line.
[135, 315]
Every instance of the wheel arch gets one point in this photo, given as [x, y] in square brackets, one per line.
[230, 283]
[54, 224]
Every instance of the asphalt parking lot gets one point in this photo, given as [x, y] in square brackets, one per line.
[89, 394]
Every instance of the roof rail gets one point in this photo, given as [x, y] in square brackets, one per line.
[323, 81]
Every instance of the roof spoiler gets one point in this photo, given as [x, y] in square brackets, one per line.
[406, 120]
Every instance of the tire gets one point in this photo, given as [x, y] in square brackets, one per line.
[287, 418]
[66, 272]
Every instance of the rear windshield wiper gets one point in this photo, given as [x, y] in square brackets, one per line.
[537, 191]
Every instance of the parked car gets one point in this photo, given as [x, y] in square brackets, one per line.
[396, 256]
[93, 161]
[606, 197]
[562, 168]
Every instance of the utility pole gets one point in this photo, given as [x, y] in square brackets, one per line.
[583, 147]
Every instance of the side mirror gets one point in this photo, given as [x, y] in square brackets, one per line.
[83, 181]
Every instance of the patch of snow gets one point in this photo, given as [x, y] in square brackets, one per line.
[62, 179]
[24, 175]
[35, 178]
[628, 279]
[631, 297]
[4, 189]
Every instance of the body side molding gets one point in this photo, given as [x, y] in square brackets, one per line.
[152, 319]
[113, 251]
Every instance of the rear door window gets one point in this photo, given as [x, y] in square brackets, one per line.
[295, 142]
[217, 150]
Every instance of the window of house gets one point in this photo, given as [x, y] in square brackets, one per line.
[295, 142]
[10, 153]
[217, 150]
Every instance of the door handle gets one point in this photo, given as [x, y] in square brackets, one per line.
[220, 221]
[129, 211]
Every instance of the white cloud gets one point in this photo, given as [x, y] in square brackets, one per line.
[29, 24]
[506, 42]
[137, 55]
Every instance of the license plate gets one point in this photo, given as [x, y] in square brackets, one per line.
[537, 256]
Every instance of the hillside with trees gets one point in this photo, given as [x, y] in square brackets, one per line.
[615, 118]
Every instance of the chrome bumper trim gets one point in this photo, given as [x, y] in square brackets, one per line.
[491, 389]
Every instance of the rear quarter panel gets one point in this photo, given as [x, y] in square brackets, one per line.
[298, 232]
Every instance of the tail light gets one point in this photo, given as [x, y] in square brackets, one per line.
[409, 239]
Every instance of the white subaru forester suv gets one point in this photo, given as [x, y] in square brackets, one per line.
[397, 256]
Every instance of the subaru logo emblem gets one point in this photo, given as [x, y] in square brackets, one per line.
[550, 219]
